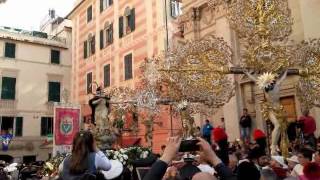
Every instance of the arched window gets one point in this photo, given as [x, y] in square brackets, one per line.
[127, 22]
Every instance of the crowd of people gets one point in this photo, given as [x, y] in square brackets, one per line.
[215, 158]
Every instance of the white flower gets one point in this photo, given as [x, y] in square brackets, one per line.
[121, 159]
[125, 157]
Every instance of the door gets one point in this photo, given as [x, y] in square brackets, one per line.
[290, 107]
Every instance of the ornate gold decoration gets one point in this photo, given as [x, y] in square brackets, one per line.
[308, 58]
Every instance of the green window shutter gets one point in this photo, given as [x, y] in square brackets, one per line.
[54, 91]
[93, 45]
[50, 126]
[132, 20]
[101, 40]
[106, 75]
[85, 49]
[128, 67]
[19, 125]
[8, 90]
[44, 125]
[89, 14]
[10, 50]
[89, 81]
[121, 26]
[111, 34]
[110, 2]
[55, 57]
[101, 5]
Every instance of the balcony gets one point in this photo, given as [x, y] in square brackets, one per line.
[8, 106]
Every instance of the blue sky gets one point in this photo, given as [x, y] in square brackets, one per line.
[27, 14]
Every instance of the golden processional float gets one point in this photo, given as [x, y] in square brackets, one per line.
[195, 74]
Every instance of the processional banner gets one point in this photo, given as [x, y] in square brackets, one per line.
[66, 125]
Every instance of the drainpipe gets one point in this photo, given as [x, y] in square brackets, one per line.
[166, 24]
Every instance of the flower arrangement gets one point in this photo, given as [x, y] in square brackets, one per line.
[128, 155]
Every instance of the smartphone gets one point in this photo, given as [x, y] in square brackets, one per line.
[189, 145]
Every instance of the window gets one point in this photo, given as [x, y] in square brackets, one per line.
[85, 49]
[121, 26]
[54, 92]
[89, 46]
[46, 126]
[11, 125]
[106, 75]
[175, 8]
[127, 22]
[108, 34]
[7, 124]
[89, 14]
[10, 50]
[55, 57]
[89, 82]
[19, 125]
[8, 90]
[128, 67]
[104, 4]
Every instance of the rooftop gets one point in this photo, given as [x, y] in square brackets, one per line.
[31, 36]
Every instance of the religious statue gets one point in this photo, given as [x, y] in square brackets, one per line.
[100, 109]
[104, 132]
[272, 108]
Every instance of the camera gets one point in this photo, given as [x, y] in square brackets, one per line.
[189, 145]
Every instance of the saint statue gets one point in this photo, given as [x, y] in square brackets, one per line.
[104, 132]
[100, 109]
[272, 108]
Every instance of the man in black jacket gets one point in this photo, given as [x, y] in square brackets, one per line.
[158, 169]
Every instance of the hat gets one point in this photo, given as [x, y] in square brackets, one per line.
[257, 134]
[115, 171]
[312, 171]
[219, 134]
[293, 159]
[280, 160]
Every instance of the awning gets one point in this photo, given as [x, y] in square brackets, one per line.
[130, 141]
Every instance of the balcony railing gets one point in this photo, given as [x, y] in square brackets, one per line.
[8, 106]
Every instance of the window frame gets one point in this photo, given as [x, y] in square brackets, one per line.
[89, 17]
[89, 85]
[49, 122]
[13, 97]
[59, 57]
[128, 76]
[51, 97]
[105, 82]
[6, 45]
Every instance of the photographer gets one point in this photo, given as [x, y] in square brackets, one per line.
[158, 169]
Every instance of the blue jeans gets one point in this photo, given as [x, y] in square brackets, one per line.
[245, 133]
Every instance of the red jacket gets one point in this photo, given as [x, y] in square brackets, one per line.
[309, 125]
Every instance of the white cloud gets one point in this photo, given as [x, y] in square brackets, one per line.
[27, 14]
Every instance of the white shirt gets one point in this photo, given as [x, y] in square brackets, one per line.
[297, 170]
[206, 168]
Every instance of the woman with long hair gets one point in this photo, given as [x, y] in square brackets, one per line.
[85, 159]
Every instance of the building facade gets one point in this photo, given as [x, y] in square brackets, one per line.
[110, 40]
[200, 21]
[34, 70]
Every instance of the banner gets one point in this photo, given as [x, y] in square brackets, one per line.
[66, 125]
